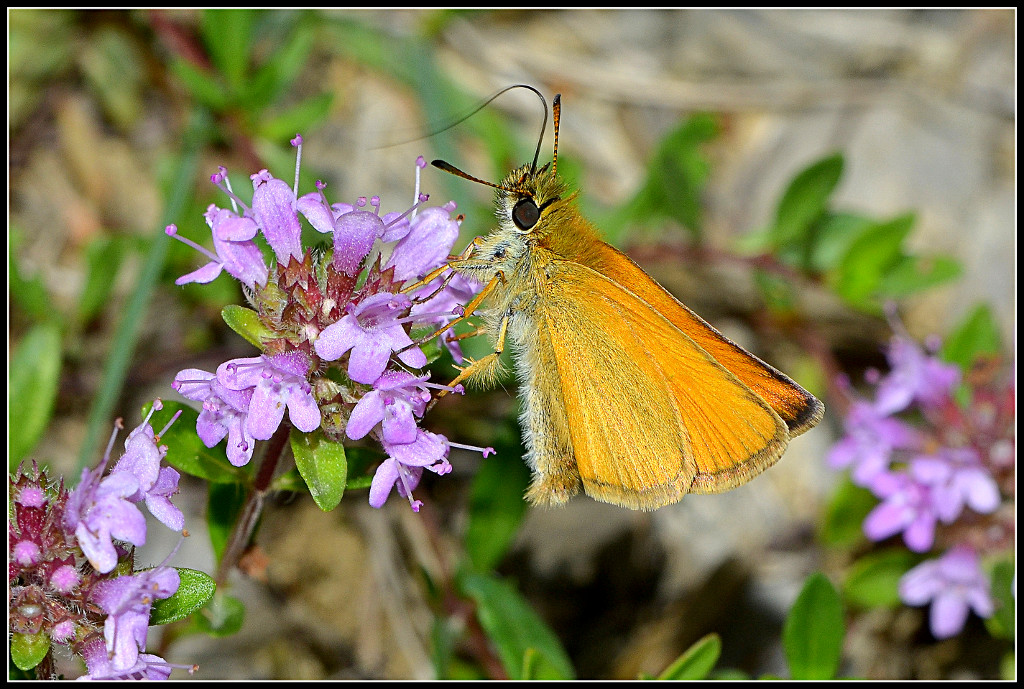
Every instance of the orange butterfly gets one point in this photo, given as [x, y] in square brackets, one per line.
[626, 392]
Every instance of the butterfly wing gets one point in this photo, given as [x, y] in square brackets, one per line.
[797, 407]
[650, 413]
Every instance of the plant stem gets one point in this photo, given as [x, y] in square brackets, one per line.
[253, 507]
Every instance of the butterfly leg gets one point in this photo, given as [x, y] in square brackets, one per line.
[487, 368]
[466, 312]
[452, 262]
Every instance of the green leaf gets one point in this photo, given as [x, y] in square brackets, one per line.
[977, 334]
[1008, 666]
[697, 661]
[917, 273]
[321, 462]
[29, 294]
[869, 258]
[1002, 624]
[187, 453]
[222, 616]
[246, 323]
[227, 35]
[874, 580]
[28, 650]
[103, 259]
[812, 636]
[279, 72]
[805, 201]
[195, 591]
[842, 525]
[34, 372]
[514, 628]
[832, 239]
[204, 87]
[676, 177]
[224, 504]
[496, 508]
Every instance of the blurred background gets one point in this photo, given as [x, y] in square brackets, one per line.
[117, 119]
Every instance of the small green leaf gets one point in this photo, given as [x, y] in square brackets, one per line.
[204, 87]
[977, 334]
[195, 591]
[224, 504]
[34, 373]
[805, 201]
[812, 636]
[222, 616]
[874, 580]
[917, 273]
[842, 525]
[278, 73]
[1008, 666]
[187, 453]
[676, 177]
[28, 650]
[870, 256]
[1002, 624]
[697, 661]
[321, 462]
[227, 35]
[833, 237]
[513, 627]
[246, 323]
[30, 293]
[496, 508]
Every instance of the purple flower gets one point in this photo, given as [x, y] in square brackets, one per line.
[99, 510]
[957, 479]
[372, 330]
[871, 437]
[273, 206]
[127, 600]
[907, 506]
[432, 233]
[396, 399]
[156, 484]
[354, 230]
[404, 467]
[101, 666]
[224, 412]
[278, 381]
[235, 251]
[913, 376]
[954, 584]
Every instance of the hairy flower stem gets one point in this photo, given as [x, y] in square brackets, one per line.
[253, 507]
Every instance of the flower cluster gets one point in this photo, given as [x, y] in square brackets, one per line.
[942, 471]
[70, 558]
[334, 325]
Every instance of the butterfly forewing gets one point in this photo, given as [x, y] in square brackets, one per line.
[651, 414]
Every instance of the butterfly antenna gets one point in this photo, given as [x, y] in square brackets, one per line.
[556, 108]
[447, 167]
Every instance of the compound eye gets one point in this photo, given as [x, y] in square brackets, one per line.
[525, 214]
